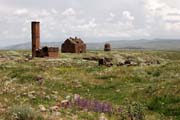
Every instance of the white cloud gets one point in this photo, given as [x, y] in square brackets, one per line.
[127, 15]
[131, 19]
[69, 12]
[161, 15]
[162, 10]
[5, 32]
[90, 25]
[23, 11]
[112, 15]
[45, 13]
[54, 11]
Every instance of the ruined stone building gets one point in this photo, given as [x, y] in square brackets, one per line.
[73, 45]
[107, 47]
[37, 51]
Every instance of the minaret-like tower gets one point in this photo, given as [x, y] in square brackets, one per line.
[35, 27]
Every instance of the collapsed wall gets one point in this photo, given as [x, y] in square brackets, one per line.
[37, 51]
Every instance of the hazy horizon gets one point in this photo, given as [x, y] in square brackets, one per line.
[93, 21]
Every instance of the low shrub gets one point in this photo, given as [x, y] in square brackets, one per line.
[23, 112]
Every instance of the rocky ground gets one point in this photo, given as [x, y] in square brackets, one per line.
[97, 85]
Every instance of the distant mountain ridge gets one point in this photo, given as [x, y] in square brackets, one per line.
[156, 44]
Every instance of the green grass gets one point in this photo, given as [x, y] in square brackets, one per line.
[167, 105]
[155, 88]
[23, 113]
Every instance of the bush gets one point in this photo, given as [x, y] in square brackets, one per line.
[165, 105]
[136, 111]
[23, 113]
[156, 74]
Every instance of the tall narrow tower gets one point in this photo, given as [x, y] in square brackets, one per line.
[35, 27]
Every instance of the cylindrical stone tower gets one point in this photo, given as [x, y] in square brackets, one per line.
[107, 47]
[35, 27]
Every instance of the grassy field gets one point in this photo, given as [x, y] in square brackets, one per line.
[29, 89]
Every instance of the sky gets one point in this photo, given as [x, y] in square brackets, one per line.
[91, 20]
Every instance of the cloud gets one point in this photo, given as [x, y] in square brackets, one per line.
[45, 13]
[54, 11]
[95, 20]
[127, 15]
[22, 11]
[162, 10]
[112, 15]
[162, 19]
[69, 12]
[90, 25]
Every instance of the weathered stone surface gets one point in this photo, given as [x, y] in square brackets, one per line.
[42, 108]
[92, 58]
[65, 103]
[102, 61]
[54, 108]
[39, 79]
[35, 27]
[152, 62]
[127, 62]
[102, 117]
[107, 47]
[36, 50]
[130, 62]
[32, 95]
[106, 62]
[73, 45]
[76, 96]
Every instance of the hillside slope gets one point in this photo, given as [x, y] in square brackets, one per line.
[158, 44]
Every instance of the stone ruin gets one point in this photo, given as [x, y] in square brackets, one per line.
[36, 50]
[73, 45]
[110, 61]
[102, 61]
[107, 47]
[105, 62]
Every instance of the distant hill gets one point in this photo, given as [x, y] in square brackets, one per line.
[156, 44]
[27, 46]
